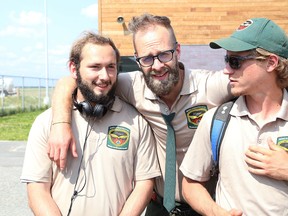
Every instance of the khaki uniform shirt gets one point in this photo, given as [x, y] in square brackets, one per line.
[238, 188]
[201, 90]
[119, 150]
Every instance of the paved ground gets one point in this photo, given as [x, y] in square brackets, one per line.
[13, 198]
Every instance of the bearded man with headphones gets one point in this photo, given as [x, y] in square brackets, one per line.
[116, 164]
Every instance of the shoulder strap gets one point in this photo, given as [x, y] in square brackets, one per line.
[219, 123]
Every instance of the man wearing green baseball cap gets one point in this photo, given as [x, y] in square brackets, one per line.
[253, 156]
[256, 33]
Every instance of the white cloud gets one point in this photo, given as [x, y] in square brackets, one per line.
[59, 50]
[36, 47]
[20, 31]
[10, 55]
[28, 18]
[27, 49]
[39, 46]
[90, 11]
[24, 24]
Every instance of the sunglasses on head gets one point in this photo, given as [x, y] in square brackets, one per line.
[235, 61]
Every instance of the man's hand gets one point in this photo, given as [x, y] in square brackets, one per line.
[272, 162]
[60, 140]
[235, 212]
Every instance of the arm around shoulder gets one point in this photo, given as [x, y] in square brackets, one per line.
[62, 99]
[61, 137]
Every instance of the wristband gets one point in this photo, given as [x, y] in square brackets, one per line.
[61, 122]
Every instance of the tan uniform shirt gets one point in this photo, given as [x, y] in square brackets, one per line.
[238, 188]
[201, 90]
[119, 150]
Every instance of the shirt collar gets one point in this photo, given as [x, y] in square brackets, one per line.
[240, 108]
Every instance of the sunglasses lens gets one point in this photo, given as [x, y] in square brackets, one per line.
[234, 62]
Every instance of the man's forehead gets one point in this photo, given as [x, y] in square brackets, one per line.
[153, 41]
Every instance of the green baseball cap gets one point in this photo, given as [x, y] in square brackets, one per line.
[256, 33]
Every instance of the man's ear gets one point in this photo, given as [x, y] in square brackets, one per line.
[272, 62]
[135, 57]
[178, 50]
[72, 69]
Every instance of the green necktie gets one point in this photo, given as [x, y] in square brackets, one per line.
[170, 170]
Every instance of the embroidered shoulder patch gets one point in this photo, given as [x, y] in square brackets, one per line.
[118, 137]
[245, 25]
[194, 115]
[283, 142]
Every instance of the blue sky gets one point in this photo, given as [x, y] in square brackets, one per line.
[22, 35]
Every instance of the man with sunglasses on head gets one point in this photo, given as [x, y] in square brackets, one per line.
[162, 90]
[257, 66]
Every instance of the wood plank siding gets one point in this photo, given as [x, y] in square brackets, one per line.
[196, 22]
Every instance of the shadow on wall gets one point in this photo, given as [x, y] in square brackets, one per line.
[193, 57]
[202, 57]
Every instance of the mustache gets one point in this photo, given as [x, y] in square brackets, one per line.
[153, 72]
[101, 83]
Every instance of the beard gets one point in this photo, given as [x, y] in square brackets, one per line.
[163, 87]
[90, 96]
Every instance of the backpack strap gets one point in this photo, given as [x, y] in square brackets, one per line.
[220, 121]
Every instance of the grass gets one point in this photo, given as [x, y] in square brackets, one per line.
[17, 126]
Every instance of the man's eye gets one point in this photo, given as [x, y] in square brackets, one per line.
[95, 66]
[147, 59]
[164, 54]
[112, 66]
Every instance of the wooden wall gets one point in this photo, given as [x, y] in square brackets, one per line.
[196, 22]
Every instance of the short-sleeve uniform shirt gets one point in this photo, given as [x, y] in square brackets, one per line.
[237, 187]
[120, 149]
[201, 90]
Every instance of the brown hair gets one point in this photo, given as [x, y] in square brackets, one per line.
[146, 20]
[90, 37]
[281, 69]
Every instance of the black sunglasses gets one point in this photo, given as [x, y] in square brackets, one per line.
[235, 61]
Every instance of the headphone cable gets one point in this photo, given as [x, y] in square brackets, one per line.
[75, 193]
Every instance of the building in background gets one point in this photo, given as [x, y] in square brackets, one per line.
[196, 23]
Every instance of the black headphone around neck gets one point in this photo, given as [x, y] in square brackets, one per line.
[86, 109]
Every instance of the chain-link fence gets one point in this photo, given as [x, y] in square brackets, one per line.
[19, 93]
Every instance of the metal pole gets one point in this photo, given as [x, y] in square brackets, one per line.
[46, 99]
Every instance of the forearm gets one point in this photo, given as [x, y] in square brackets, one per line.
[138, 199]
[62, 99]
[61, 137]
[199, 199]
[40, 200]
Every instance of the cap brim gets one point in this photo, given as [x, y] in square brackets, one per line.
[231, 44]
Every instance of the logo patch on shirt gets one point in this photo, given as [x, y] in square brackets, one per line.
[194, 115]
[118, 137]
[283, 142]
